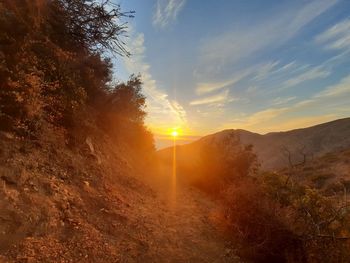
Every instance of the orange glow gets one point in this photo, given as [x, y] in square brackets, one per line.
[181, 130]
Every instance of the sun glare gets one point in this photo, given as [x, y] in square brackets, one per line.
[174, 133]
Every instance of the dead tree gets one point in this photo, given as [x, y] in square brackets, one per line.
[291, 165]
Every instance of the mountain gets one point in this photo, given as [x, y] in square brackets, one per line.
[274, 149]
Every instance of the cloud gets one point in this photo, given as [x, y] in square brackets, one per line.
[162, 112]
[289, 68]
[252, 89]
[265, 70]
[279, 100]
[330, 97]
[265, 115]
[215, 99]
[207, 87]
[343, 88]
[210, 86]
[311, 74]
[181, 113]
[234, 45]
[275, 69]
[166, 12]
[337, 37]
[256, 119]
[331, 103]
[203, 88]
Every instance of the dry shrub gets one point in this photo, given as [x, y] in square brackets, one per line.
[272, 221]
[54, 72]
[255, 221]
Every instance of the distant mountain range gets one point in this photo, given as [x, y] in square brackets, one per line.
[279, 149]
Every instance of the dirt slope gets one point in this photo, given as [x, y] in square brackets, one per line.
[89, 204]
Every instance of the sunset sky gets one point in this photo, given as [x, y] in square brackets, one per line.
[256, 65]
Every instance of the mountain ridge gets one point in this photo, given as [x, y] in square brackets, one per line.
[273, 148]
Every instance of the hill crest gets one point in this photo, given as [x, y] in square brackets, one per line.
[272, 148]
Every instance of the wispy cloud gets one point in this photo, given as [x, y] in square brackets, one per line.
[256, 119]
[203, 88]
[341, 89]
[281, 72]
[320, 107]
[207, 87]
[337, 37]
[159, 106]
[232, 46]
[166, 12]
[286, 67]
[333, 95]
[260, 71]
[266, 70]
[280, 101]
[180, 111]
[311, 74]
[214, 99]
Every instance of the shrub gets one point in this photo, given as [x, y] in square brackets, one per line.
[255, 221]
[319, 180]
[275, 221]
[222, 163]
[53, 70]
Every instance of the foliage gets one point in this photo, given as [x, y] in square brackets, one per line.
[126, 99]
[254, 221]
[53, 69]
[278, 222]
[269, 216]
[224, 162]
[89, 24]
[123, 114]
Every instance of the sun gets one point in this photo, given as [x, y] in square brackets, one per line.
[174, 133]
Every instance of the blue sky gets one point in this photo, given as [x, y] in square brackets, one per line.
[250, 64]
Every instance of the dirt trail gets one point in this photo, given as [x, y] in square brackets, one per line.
[179, 228]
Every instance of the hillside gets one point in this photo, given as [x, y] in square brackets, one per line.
[330, 173]
[81, 205]
[273, 149]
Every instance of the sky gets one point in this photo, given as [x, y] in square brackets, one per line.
[263, 66]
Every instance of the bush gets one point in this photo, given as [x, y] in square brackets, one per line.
[319, 180]
[53, 70]
[123, 113]
[222, 163]
[255, 221]
[278, 222]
